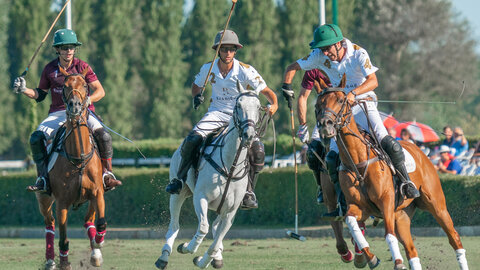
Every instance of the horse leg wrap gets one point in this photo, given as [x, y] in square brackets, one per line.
[356, 232]
[49, 239]
[101, 230]
[461, 259]
[394, 248]
[415, 263]
[91, 232]
[64, 251]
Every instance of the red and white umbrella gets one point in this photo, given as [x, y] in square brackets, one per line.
[388, 120]
[420, 132]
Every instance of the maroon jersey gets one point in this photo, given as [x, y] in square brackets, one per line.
[312, 78]
[53, 80]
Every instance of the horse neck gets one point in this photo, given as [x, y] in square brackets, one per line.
[78, 140]
[231, 144]
[354, 145]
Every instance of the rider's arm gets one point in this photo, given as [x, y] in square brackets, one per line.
[32, 93]
[272, 98]
[368, 85]
[195, 89]
[302, 105]
[290, 72]
[97, 91]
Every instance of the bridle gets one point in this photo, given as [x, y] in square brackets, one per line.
[65, 97]
[240, 125]
[341, 118]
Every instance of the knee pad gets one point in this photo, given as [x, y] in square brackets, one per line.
[393, 149]
[191, 144]
[104, 141]
[312, 159]
[257, 156]
[333, 161]
[101, 225]
[37, 145]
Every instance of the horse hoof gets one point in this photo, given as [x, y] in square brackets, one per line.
[347, 257]
[400, 266]
[217, 263]
[182, 248]
[374, 262]
[50, 265]
[65, 266]
[196, 260]
[360, 261]
[96, 258]
[161, 264]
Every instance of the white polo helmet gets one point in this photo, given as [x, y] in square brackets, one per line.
[229, 38]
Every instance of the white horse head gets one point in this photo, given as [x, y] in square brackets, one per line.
[246, 114]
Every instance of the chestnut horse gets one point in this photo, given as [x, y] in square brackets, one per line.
[367, 182]
[76, 177]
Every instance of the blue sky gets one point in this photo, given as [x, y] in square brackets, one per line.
[470, 9]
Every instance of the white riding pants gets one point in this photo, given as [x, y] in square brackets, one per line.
[50, 125]
[361, 119]
[212, 121]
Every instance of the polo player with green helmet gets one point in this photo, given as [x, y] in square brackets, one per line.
[335, 56]
[65, 44]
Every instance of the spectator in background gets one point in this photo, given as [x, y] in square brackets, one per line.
[476, 155]
[460, 143]
[447, 162]
[405, 135]
[448, 133]
[392, 132]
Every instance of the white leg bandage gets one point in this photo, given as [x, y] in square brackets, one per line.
[394, 248]
[462, 259]
[356, 232]
[415, 264]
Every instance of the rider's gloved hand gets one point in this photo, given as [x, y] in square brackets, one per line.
[288, 93]
[303, 134]
[197, 101]
[19, 85]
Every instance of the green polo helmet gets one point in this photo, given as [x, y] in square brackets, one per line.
[65, 37]
[326, 35]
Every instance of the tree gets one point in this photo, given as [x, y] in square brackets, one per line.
[412, 42]
[163, 70]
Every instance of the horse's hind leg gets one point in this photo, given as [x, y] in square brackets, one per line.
[445, 221]
[176, 202]
[342, 247]
[45, 203]
[402, 227]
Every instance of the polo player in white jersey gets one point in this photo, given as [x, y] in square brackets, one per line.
[335, 56]
[223, 77]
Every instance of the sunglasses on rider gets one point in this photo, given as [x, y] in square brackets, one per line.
[228, 49]
[67, 47]
[326, 48]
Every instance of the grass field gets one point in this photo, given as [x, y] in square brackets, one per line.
[275, 254]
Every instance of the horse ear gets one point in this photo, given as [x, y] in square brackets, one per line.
[343, 82]
[62, 70]
[84, 72]
[240, 88]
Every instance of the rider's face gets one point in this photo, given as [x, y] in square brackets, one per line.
[66, 52]
[227, 53]
[331, 52]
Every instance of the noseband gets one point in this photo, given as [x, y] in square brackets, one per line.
[332, 115]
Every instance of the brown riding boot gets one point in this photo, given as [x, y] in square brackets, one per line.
[109, 179]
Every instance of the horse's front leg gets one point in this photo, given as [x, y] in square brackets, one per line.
[96, 258]
[45, 203]
[387, 209]
[176, 202]
[201, 208]
[63, 243]
[342, 248]
[90, 225]
[217, 257]
[357, 233]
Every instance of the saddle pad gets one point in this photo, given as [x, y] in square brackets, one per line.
[409, 161]
[52, 160]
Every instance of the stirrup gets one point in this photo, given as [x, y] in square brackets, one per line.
[404, 186]
[249, 196]
[109, 174]
[36, 186]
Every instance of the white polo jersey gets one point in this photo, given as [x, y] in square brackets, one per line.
[355, 64]
[224, 90]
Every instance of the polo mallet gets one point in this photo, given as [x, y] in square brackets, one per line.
[44, 38]
[290, 233]
[218, 47]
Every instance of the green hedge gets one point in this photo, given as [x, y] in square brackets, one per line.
[142, 201]
[166, 147]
